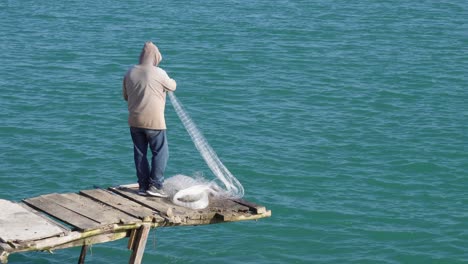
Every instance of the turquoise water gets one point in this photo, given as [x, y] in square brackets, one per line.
[348, 119]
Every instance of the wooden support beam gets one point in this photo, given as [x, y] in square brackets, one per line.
[131, 238]
[84, 249]
[139, 244]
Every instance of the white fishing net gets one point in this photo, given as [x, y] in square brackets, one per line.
[195, 192]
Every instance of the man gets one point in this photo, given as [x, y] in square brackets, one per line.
[144, 88]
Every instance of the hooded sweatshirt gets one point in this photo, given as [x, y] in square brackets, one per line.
[144, 87]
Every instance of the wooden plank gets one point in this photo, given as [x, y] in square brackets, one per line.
[18, 224]
[120, 203]
[227, 205]
[89, 208]
[257, 209]
[219, 210]
[49, 206]
[50, 220]
[140, 244]
[240, 217]
[161, 205]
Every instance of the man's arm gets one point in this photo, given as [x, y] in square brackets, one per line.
[167, 82]
[171, 85]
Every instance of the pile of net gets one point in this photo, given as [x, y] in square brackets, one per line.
[195, 192]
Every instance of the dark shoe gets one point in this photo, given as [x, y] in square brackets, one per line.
[153, 191]
[142, 192]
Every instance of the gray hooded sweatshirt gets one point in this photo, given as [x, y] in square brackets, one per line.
[144, 87]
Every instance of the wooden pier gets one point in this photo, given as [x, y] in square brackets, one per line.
[56, 221]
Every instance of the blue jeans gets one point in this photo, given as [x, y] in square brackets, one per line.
[156, 139]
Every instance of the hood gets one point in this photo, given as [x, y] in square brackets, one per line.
[150, 54]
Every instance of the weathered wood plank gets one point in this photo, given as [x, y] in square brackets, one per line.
[49, 206]
[227, 205]
[89, 208]
[120, 203]
[162, 205]
[17, 223]
[257, 209]
[50, 220]
[241, 217]
[218, 211]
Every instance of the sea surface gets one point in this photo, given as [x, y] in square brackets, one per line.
[347, 119]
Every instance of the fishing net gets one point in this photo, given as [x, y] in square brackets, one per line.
[194, 192]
